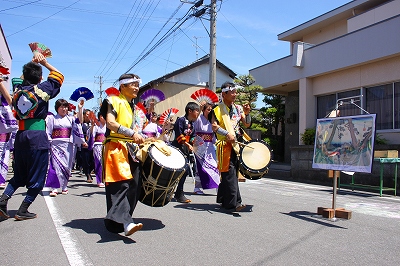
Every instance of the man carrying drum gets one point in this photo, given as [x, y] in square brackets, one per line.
[121, 168]
[225, 118]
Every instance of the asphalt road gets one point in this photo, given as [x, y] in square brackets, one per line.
[279, 227]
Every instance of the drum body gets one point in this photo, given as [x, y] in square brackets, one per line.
[161, 174]
[254, 159]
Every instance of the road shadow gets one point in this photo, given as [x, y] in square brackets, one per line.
[96, 226]
[210, 208]
[314, 218]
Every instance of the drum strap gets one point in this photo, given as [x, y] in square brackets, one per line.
[160, 145]
[228, 125]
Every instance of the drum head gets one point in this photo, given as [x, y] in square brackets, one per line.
[256, 155]
[174, 161]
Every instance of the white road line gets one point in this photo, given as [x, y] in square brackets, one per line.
[74, 251]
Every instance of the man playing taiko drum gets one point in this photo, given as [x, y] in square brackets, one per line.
[225, 118]
[121, 170]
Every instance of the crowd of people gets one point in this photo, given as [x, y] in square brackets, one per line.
[47, 146]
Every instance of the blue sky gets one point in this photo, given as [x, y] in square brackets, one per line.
[89, 39]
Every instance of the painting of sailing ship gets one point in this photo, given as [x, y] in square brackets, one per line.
[345, 143]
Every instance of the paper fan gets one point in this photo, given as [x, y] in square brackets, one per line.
[112, 91]
[141, 107]
[71, 107]
[168, 114]
[205, 95]
[92, 117]
[81, 92]
[3, 67]
[40, 48]
[153, 94]
[4, 70]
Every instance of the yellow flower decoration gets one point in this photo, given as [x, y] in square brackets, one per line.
[43, 95]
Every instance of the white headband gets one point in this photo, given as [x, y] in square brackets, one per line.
[228, 89]
[129, 80]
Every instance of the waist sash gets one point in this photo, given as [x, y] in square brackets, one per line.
[61, 133]
[150, 134]
[100, 137]
[207, 137]
[5, 137]
[32, 124]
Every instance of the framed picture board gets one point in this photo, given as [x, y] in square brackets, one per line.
[345, 143]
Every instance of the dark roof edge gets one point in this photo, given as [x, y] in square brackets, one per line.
[196, 63]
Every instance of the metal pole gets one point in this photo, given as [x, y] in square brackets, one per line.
[213, 47]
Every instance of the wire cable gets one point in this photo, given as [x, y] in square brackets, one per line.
[30, 3]
[43, 19]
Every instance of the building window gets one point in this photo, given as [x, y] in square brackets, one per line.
[396, 112]
[327, 103]
[384, 101]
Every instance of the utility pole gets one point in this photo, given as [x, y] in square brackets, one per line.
[100, 91]
[212, 77]
[213, 46]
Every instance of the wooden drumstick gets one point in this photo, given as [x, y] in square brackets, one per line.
[244, 145]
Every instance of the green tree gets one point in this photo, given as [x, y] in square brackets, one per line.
[274, 112]
[247, 92]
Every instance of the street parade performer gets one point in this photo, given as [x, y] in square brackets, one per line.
[31, 146]
[121, 168]
[225, 118]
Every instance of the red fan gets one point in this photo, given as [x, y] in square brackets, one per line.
[72, 107]
[40, 48]
[205, 95]
[92, 117]
[141, 106]
[3, 67]
[4, 70]
[168, 114]
[112, 91]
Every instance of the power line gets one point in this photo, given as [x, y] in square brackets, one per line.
[20, 6]
[244, 38]
[163, 38]
[43, 19]
[131, 35]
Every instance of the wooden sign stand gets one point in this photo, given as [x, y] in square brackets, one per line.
[334, 213]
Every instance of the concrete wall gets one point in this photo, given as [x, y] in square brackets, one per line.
[375, 15]
[327, 33]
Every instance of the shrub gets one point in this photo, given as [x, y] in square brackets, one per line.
[308, 137]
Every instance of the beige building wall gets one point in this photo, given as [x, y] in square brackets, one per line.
[366, 75]
[176, 95]
[328, 33]
[375, 15]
